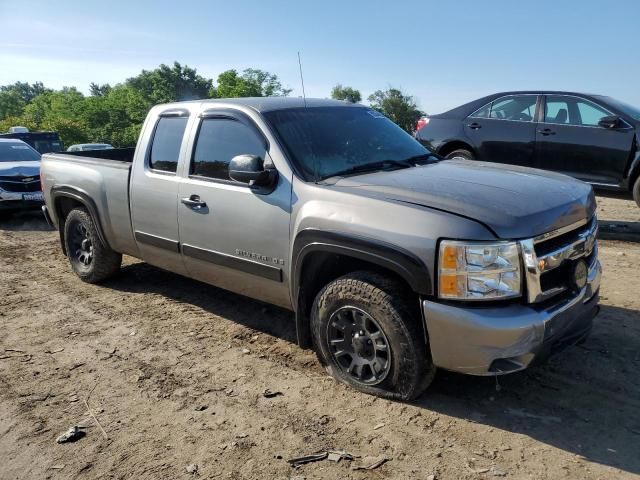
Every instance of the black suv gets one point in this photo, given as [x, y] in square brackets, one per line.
[590, 137]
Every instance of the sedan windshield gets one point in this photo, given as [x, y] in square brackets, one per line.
[17, 152]
[633, 112]
[329, 141]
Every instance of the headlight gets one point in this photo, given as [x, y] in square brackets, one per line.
[478, 271]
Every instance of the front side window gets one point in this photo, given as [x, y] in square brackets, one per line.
[219, 140]
[514, 107]
[556, 110]
[167, 140]
[590, 114]
[568, 110]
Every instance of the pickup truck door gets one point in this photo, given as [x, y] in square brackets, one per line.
[231, 235]
[154, 191]
[570, 141]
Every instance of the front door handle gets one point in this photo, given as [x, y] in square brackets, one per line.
[474, 126]
[194, 202]
[546, 131]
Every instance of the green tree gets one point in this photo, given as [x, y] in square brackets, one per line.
[399, 107]
[60, 111]
[346, 93]
[252, 83]
[170, 84]
[98, 90]
[14, 97]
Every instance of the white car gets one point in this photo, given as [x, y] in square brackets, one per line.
[83, 147]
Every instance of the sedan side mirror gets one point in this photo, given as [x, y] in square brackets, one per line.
[250, 169]
[610, 121]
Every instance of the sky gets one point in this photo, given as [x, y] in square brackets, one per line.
[442, 53]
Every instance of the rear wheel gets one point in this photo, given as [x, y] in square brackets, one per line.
[636, 191]
[367, 335]
[461, 153]
[90, 259]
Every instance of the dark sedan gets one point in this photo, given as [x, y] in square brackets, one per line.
[590, 137]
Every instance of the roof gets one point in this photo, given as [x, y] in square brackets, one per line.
[470, 107]
[544, 92]
[266, 104]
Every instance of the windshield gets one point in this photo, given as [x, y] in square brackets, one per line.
[633, 112]
[17, 152]
[329, 141]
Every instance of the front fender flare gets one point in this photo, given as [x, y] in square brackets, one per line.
[402, 262]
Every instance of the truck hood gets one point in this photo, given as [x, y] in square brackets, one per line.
[514, 202]
[20, 169]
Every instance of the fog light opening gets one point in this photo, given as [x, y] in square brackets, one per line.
[505, 365]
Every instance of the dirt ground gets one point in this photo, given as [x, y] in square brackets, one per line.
[175, 370]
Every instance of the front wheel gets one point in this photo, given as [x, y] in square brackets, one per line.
[636, 191]
[90, 259]
[367, 335]
[461, 153]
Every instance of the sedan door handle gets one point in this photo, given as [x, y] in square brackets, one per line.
[546, 131]
[474, 126]
[194, 202]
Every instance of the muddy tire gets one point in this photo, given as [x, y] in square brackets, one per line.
[367, 335]
[461, 153]
[90, 259]
[636, 191]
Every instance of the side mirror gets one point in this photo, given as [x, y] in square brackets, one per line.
[610, 121]
[250, 169]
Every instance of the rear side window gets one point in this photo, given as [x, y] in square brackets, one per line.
[219, 140]
[167, 139]
[517, 107]
[482, 112]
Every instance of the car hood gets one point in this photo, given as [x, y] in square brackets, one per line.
[20, 169]
[514, 202]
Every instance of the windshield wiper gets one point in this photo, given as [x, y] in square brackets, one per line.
[371, 167]
[422, 159]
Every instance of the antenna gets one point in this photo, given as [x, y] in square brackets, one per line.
[304, 96]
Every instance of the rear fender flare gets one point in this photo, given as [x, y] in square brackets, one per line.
[82, 197]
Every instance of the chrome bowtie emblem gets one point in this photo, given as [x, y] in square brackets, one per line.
[27, 179]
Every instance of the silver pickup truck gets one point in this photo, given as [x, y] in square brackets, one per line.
[394, 261]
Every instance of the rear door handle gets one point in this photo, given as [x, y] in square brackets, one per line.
[194, 202]
[546, 131]
[474, 126]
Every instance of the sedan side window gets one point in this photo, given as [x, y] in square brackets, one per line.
[515, 107]
[590, 114]
[556, 110]
[572, 111]
[218, 141]
[482, 112]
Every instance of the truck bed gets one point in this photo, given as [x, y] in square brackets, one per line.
[102, 177]
[119, 154]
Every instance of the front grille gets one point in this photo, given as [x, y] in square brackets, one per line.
[551, 258]
[18, 184]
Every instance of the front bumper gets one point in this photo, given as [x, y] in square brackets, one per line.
[14, 201]
[505, 339]
[18, 205]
